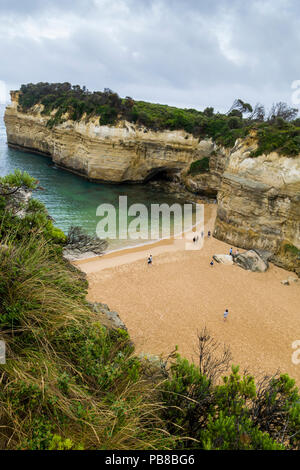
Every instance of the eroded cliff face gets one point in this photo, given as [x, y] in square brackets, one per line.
[124, 152]
[259, 204]
[258, 198]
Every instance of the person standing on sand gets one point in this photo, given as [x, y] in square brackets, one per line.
[230, 251]
[209, 234]
[226, 314]
[150, 260]
[212, 263]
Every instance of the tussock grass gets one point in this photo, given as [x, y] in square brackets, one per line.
[68, 382]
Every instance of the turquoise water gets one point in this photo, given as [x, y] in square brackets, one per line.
[70, 199]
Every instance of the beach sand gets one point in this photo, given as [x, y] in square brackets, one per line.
[166, 304]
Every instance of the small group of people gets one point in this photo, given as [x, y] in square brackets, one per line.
[231, 252]
[196, 237]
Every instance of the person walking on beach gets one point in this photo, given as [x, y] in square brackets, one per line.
[212, 263]
[150, 260]
[209, 234]
[226, 314]
[230, 251]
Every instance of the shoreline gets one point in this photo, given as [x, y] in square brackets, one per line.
[142, 251]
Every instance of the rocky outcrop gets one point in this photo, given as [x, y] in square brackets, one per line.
[259, 204]
[223, 259]
[251, 261]
[108, 317]
[290, 280]
[124, 152]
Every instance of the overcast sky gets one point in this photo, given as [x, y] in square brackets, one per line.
[188, 53]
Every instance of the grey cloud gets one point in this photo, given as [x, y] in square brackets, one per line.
[30, 7]
[193, 53]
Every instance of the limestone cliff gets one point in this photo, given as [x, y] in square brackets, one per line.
[259, 198]
[124, 152]
[259, 204]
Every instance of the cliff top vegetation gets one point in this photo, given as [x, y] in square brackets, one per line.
[278, 130]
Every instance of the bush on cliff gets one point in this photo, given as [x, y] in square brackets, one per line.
[17, 180]
[234, 413]
[35, 220]
[199, 166]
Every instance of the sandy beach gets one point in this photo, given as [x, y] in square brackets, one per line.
[165, 304]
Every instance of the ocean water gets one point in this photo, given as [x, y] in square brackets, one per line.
[70, 199]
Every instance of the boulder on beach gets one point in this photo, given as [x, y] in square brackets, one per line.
[290, 280]
[251, 261]
[223, 259]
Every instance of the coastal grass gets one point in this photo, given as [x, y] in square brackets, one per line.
[68, 381]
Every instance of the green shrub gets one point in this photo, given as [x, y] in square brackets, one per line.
[199, 166]
[18, 179]
[271, 138]
[235, 414]
[58, 443]
[292, 249]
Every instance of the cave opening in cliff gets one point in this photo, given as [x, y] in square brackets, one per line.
[162, 174]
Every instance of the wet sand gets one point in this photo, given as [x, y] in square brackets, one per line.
[165, 304]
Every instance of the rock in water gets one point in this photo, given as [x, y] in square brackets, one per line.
[251, 261]
[223, 259]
